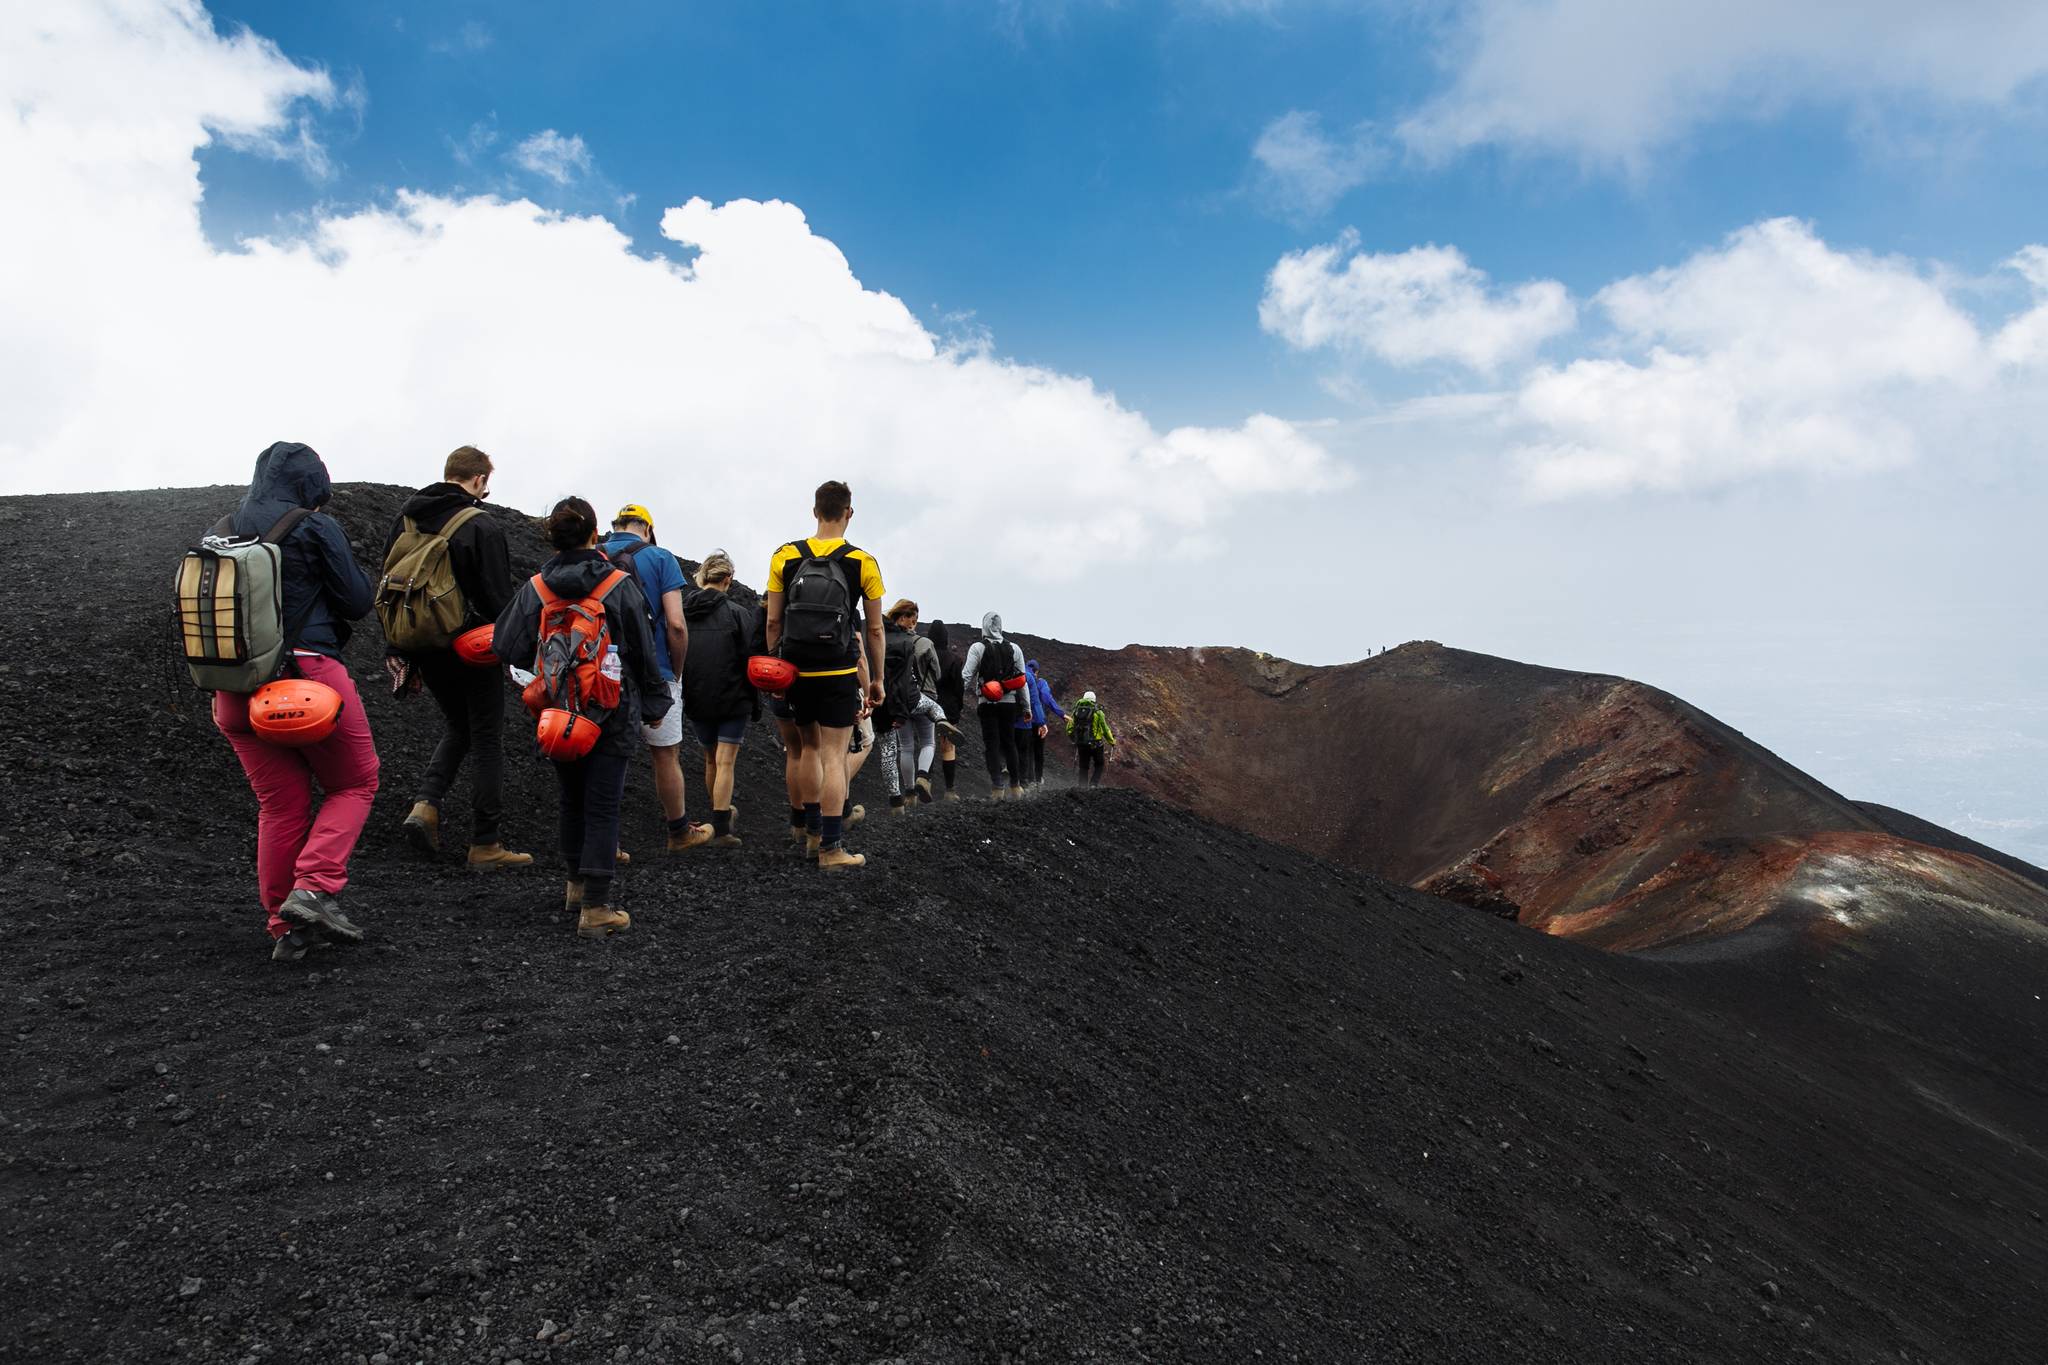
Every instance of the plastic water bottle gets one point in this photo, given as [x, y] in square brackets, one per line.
[614, 667]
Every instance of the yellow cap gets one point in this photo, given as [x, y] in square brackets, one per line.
[633, 511]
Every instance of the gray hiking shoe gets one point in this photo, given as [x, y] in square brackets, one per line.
[291, 946]
[320, 912]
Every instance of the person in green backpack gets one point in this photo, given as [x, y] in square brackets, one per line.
[447, 568]
[1088, 727]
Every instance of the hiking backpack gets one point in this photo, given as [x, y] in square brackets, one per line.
[230, 602]
[419, 603]
[1082, 719]
[998, 657]
[900, 692]
[625, 559]
[569, 660]
[817, 609]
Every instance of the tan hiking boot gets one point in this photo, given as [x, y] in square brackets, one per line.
[833, 859]
[601, 921]
[952, 795]
[692, 836]
[622, 858]
[812, 843]
[572, 896]
[797, 836]
[854, 815]
[484, 857]
[423, 828]
[903, 809]
[733, 820]
[924, 790]
[726, 841]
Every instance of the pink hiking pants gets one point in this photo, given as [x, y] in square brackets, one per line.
[295, 847]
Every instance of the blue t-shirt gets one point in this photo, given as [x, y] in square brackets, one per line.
[658, 573]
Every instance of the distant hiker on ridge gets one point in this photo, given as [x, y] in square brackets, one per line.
[1032, 725]
[717, 698]
[1088, 726]
[585, 626]
[824, 599]
[447, 570]
[302, 856]
[910, 674]
[631, 546]
[994, 676]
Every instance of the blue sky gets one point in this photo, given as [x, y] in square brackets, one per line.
[1704, 342]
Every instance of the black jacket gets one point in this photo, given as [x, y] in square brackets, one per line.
[324, 587]
[476, 552]
[643, 697]
[722, 635]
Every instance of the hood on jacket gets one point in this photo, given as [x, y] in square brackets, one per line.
[287, 475]
[992, 626]
[431, 507]
[574, 573]
[699, 603]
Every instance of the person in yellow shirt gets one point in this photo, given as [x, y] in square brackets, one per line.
[824, 600]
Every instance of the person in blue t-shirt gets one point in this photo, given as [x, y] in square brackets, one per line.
[631, 546]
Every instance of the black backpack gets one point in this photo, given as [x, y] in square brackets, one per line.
[817, 608]
[900, 692]
[1083, 720]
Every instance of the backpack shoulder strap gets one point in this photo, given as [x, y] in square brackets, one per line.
[802, 548]
[839, 551]
[285, 524]
[548, 596]
[606, 584]
[456, 522]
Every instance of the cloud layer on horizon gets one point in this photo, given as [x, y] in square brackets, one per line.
[136, 354]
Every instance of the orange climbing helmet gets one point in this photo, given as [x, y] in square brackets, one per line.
[566, 736]
[473, 646]
[294, 712]
[992, 689]
[769, 673]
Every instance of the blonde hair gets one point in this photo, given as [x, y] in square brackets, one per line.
[717, 566]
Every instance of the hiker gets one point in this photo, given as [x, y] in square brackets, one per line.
[824, 599]
[1033, 728]
[910, 674]
[302, 855]
[631, 546]
[952, 699]
[590, 604]
[1088, 727]
[717, 698]
[993, 660]
[447, 570]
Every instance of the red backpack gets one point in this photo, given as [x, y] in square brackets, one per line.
[569, 663]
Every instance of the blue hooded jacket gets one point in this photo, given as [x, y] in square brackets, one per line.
[324, 587]
[1040, 692]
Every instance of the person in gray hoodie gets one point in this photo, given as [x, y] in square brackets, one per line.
[995, 660]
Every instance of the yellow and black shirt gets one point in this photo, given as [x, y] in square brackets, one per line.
[868, 586]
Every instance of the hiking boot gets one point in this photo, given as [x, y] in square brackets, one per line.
[902, 808]
[950, 730]
[601, 921]
[797, 835]
[320, 912]
[291, 945]
[423, 828]
[691, 836]
[726, 841]
[952, 795]
[854, 815]
[812, 843]
[732, 820]
[572, 896]
[484, 857]
[924, 789]
[833, 859]
[622, 858]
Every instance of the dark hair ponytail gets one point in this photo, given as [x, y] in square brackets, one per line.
[571, 525]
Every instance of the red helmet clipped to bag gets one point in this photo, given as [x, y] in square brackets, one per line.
[769, 673]
[992, 689]
[473, 646]
[565, 736]
[294, 712]
[1015, 684]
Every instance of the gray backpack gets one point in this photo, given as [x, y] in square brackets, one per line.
[230, 601]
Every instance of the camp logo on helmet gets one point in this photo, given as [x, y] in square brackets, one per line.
[294, 712]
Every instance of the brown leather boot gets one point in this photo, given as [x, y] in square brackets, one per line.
[484, 857]
[691, 836]
[572, 896]
[601, 921]
[812, 843]
[834, 859]
[423, 828]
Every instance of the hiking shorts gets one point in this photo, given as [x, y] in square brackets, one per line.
[669, 733]
[833, 702]
[712, 733]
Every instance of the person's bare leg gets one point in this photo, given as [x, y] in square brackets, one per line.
[668, 781]
[722, 768]
[792, 774]
[832, 768]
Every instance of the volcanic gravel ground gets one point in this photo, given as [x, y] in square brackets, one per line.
[1079, 1077]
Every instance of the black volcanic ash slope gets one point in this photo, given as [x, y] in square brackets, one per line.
[1075, 1078]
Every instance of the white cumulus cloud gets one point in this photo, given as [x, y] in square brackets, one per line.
[1408, 307]
[558, 158]
[1610, 81]
[134, 353]
[1303, 171]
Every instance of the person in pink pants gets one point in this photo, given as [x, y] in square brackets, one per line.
[295, 846]
[302, 854]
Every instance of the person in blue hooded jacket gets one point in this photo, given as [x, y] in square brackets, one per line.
[1032, 728]
[302, 856]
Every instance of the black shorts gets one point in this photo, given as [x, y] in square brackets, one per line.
[833, 703]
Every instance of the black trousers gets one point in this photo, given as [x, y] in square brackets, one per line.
[1030, 755]
[1085, 755]
[999, 741]
[592, 788]
[472, 702]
